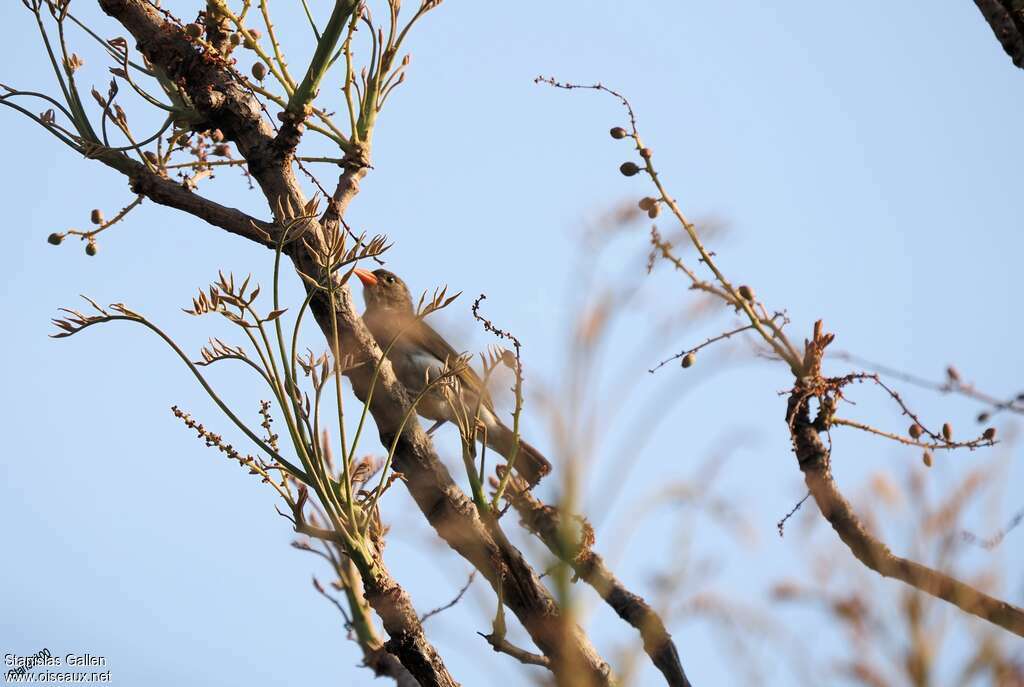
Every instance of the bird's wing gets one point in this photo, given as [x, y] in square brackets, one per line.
[424, 336]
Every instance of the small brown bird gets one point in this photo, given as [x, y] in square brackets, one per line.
[419, 353]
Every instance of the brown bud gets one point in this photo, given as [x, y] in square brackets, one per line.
[746, 293]
[982, 417]
[91, 248]
[915, 431]
[645, 153]
[654, 211]
[947, 431]
[55, 239]
[953, 375]
[646, 203]
[217, 135]
[989, 433]
[259, 70]
[194, 30]
[688, 360]
[255, 34]
[223, 150]
[927, 458]
[618, 133]
[629, 168]
[236, 39]
[151, 156]
[96, 217]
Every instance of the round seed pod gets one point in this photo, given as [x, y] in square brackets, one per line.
[618, 132]
[947, 431]
[927, 458]
[629, 168]
[235, 39]
[259, 70]
[990, 433]
[91, 248]
[746, 293]
[96, 217]
[915, 431]
[646, 203]
[55, 239]
[688, 360]
[194, 30]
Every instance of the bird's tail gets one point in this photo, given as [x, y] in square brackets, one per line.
[529, 462]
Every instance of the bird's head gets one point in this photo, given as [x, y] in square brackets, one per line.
[384, 290]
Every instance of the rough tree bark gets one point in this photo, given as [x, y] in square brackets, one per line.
[547, 522]
[225, 103]
[1006, 18]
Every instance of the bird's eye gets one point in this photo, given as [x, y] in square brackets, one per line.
[389, 279]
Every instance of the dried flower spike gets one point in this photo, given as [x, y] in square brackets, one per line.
[915, 431]
[629, 168]
[618, 133]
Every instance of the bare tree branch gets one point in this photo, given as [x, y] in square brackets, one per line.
[224, 102]
[162, 190]
[1007, 24]
[547, 523]
[815, 462]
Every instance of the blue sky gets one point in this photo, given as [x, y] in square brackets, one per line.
[863, 159]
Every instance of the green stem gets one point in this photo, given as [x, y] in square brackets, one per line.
[307, 90]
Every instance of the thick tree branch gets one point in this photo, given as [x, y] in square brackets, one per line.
[164, 191]
[547, 523]
[815, 462]
[223, 102]
[454, 516]
[220, 98]
[1006, 17]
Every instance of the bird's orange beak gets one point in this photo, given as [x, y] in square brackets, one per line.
[366, 276]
